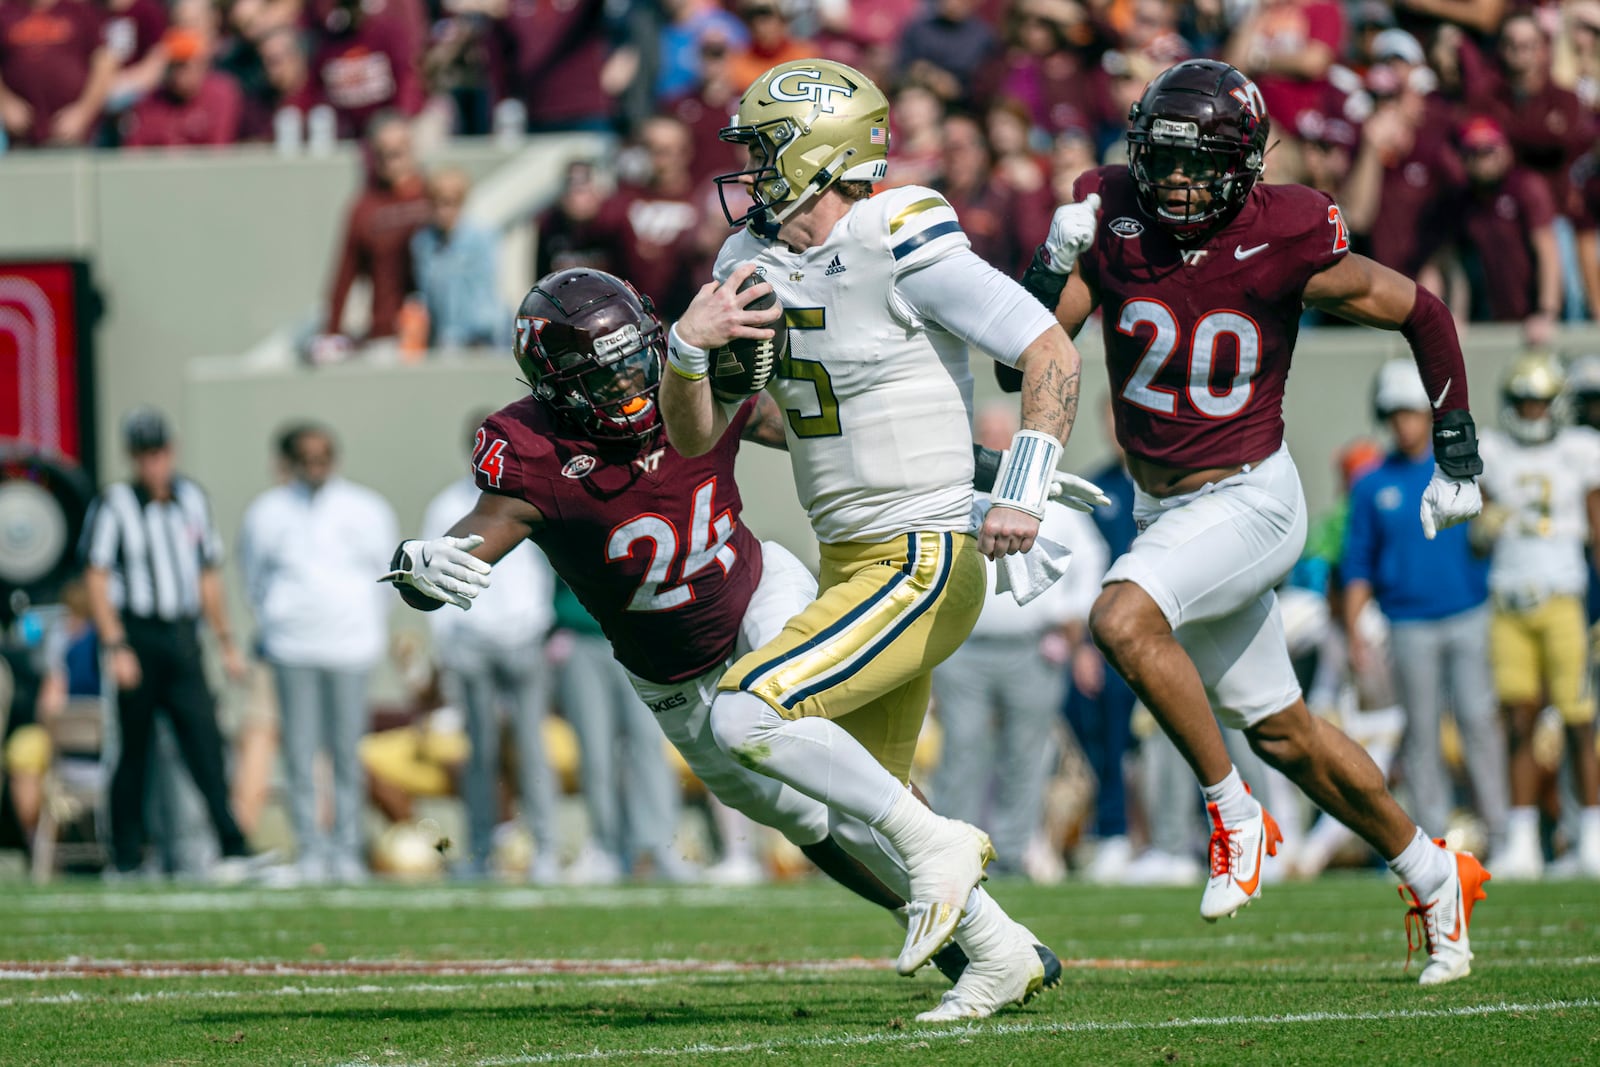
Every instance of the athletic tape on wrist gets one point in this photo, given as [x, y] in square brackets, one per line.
[687, 360]
[1023, 481]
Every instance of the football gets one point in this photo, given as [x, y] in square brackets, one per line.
[744, 366]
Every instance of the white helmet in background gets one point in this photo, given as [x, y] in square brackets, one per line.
[1532, 377]
[1398, 387]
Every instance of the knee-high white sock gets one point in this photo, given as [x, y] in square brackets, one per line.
[1422, 865]
[815, 756]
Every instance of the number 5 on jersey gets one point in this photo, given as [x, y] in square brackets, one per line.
[708, 544]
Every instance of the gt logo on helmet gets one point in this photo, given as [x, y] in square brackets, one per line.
[804, 84]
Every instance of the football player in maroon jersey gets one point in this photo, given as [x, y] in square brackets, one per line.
[650, 542]
[1202, 275]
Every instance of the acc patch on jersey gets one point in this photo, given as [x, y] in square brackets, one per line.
[1126, 227]
[578, 466]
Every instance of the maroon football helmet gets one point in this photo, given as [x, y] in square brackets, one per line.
[591, 347]
[1200, 126]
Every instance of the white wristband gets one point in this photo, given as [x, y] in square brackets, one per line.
[1023, 480]
[690, 362]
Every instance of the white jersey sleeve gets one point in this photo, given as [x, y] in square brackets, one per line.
[919, 227]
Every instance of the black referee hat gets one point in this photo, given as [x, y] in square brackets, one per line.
[145, 430]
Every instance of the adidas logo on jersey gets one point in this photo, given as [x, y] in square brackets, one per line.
[834, 268]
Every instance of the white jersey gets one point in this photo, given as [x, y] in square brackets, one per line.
[1546, 486]
[879, 398]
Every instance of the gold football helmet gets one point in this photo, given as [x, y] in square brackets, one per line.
[807, 124]
[1533, 377]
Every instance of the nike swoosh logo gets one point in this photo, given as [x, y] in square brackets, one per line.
[424, 555]
[1255, 879]
[1442, 393]
[1456, 936]
[1246, 253]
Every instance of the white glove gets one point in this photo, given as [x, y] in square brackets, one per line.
[1077, 493]
[1072, 232]
[442, 568]
[1448, 501]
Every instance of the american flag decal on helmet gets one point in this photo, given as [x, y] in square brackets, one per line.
[879, 135]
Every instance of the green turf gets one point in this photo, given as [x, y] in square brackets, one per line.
[1309, 974]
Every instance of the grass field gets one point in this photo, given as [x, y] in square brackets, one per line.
[788, 974]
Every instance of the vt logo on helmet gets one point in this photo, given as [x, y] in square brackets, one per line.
[806, 124]
[1197, 142]
[591, 347]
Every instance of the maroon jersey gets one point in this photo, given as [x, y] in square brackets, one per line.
[45, 57]
[1498, 223]
[1198, 337]
[649, 540]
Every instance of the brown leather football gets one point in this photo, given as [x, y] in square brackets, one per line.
[744, 366]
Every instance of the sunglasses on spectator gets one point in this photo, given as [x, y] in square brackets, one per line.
[713, 51]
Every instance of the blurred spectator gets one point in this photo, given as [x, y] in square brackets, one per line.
[1327, 145]
[1548, 126]
[493, 663]
[1071, 156]
[707, 108]
[286, 93]
[629, 788]
[378, 229]
[1577, 60]
[1015, 164]
[1150, 29]
[153, 553]
[1435, 595]
[1059, 87]
[770, 42]
[70, 668]
[1368, 20]
[455, 263]
[653, 224]
[554, 53]
[1586, 189]
[1099, 705]
[946, 48]
[570, 233]
[1128, 73]
[916, 141]
[55, 71]
[689, 24]
[998, 693]
[366, 62]
[1288, 46]
[1506, 222]
[310, 551]
[133, 32]
[195, 105]
[1003, 225]
[1400, 198]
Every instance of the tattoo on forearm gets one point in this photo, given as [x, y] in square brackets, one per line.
[1050, 401]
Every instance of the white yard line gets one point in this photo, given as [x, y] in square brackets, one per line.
[980, 1030]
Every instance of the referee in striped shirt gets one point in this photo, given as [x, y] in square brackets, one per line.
[153, 558]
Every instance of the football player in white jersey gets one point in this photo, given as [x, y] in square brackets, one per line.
[1542, 481]
[881, 296]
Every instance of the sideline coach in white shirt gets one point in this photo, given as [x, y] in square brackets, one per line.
[309, 549]
[153, 553]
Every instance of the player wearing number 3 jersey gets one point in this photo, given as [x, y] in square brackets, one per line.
[650, 541]
[1201, 276]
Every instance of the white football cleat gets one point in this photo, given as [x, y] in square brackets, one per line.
[1521, 860]
[1440, 922]
[1011, 975]
[1236, 856]
[943, 874]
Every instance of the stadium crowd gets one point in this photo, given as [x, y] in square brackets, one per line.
[1459, 137]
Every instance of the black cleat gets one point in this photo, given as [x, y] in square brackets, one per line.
[951, 961]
